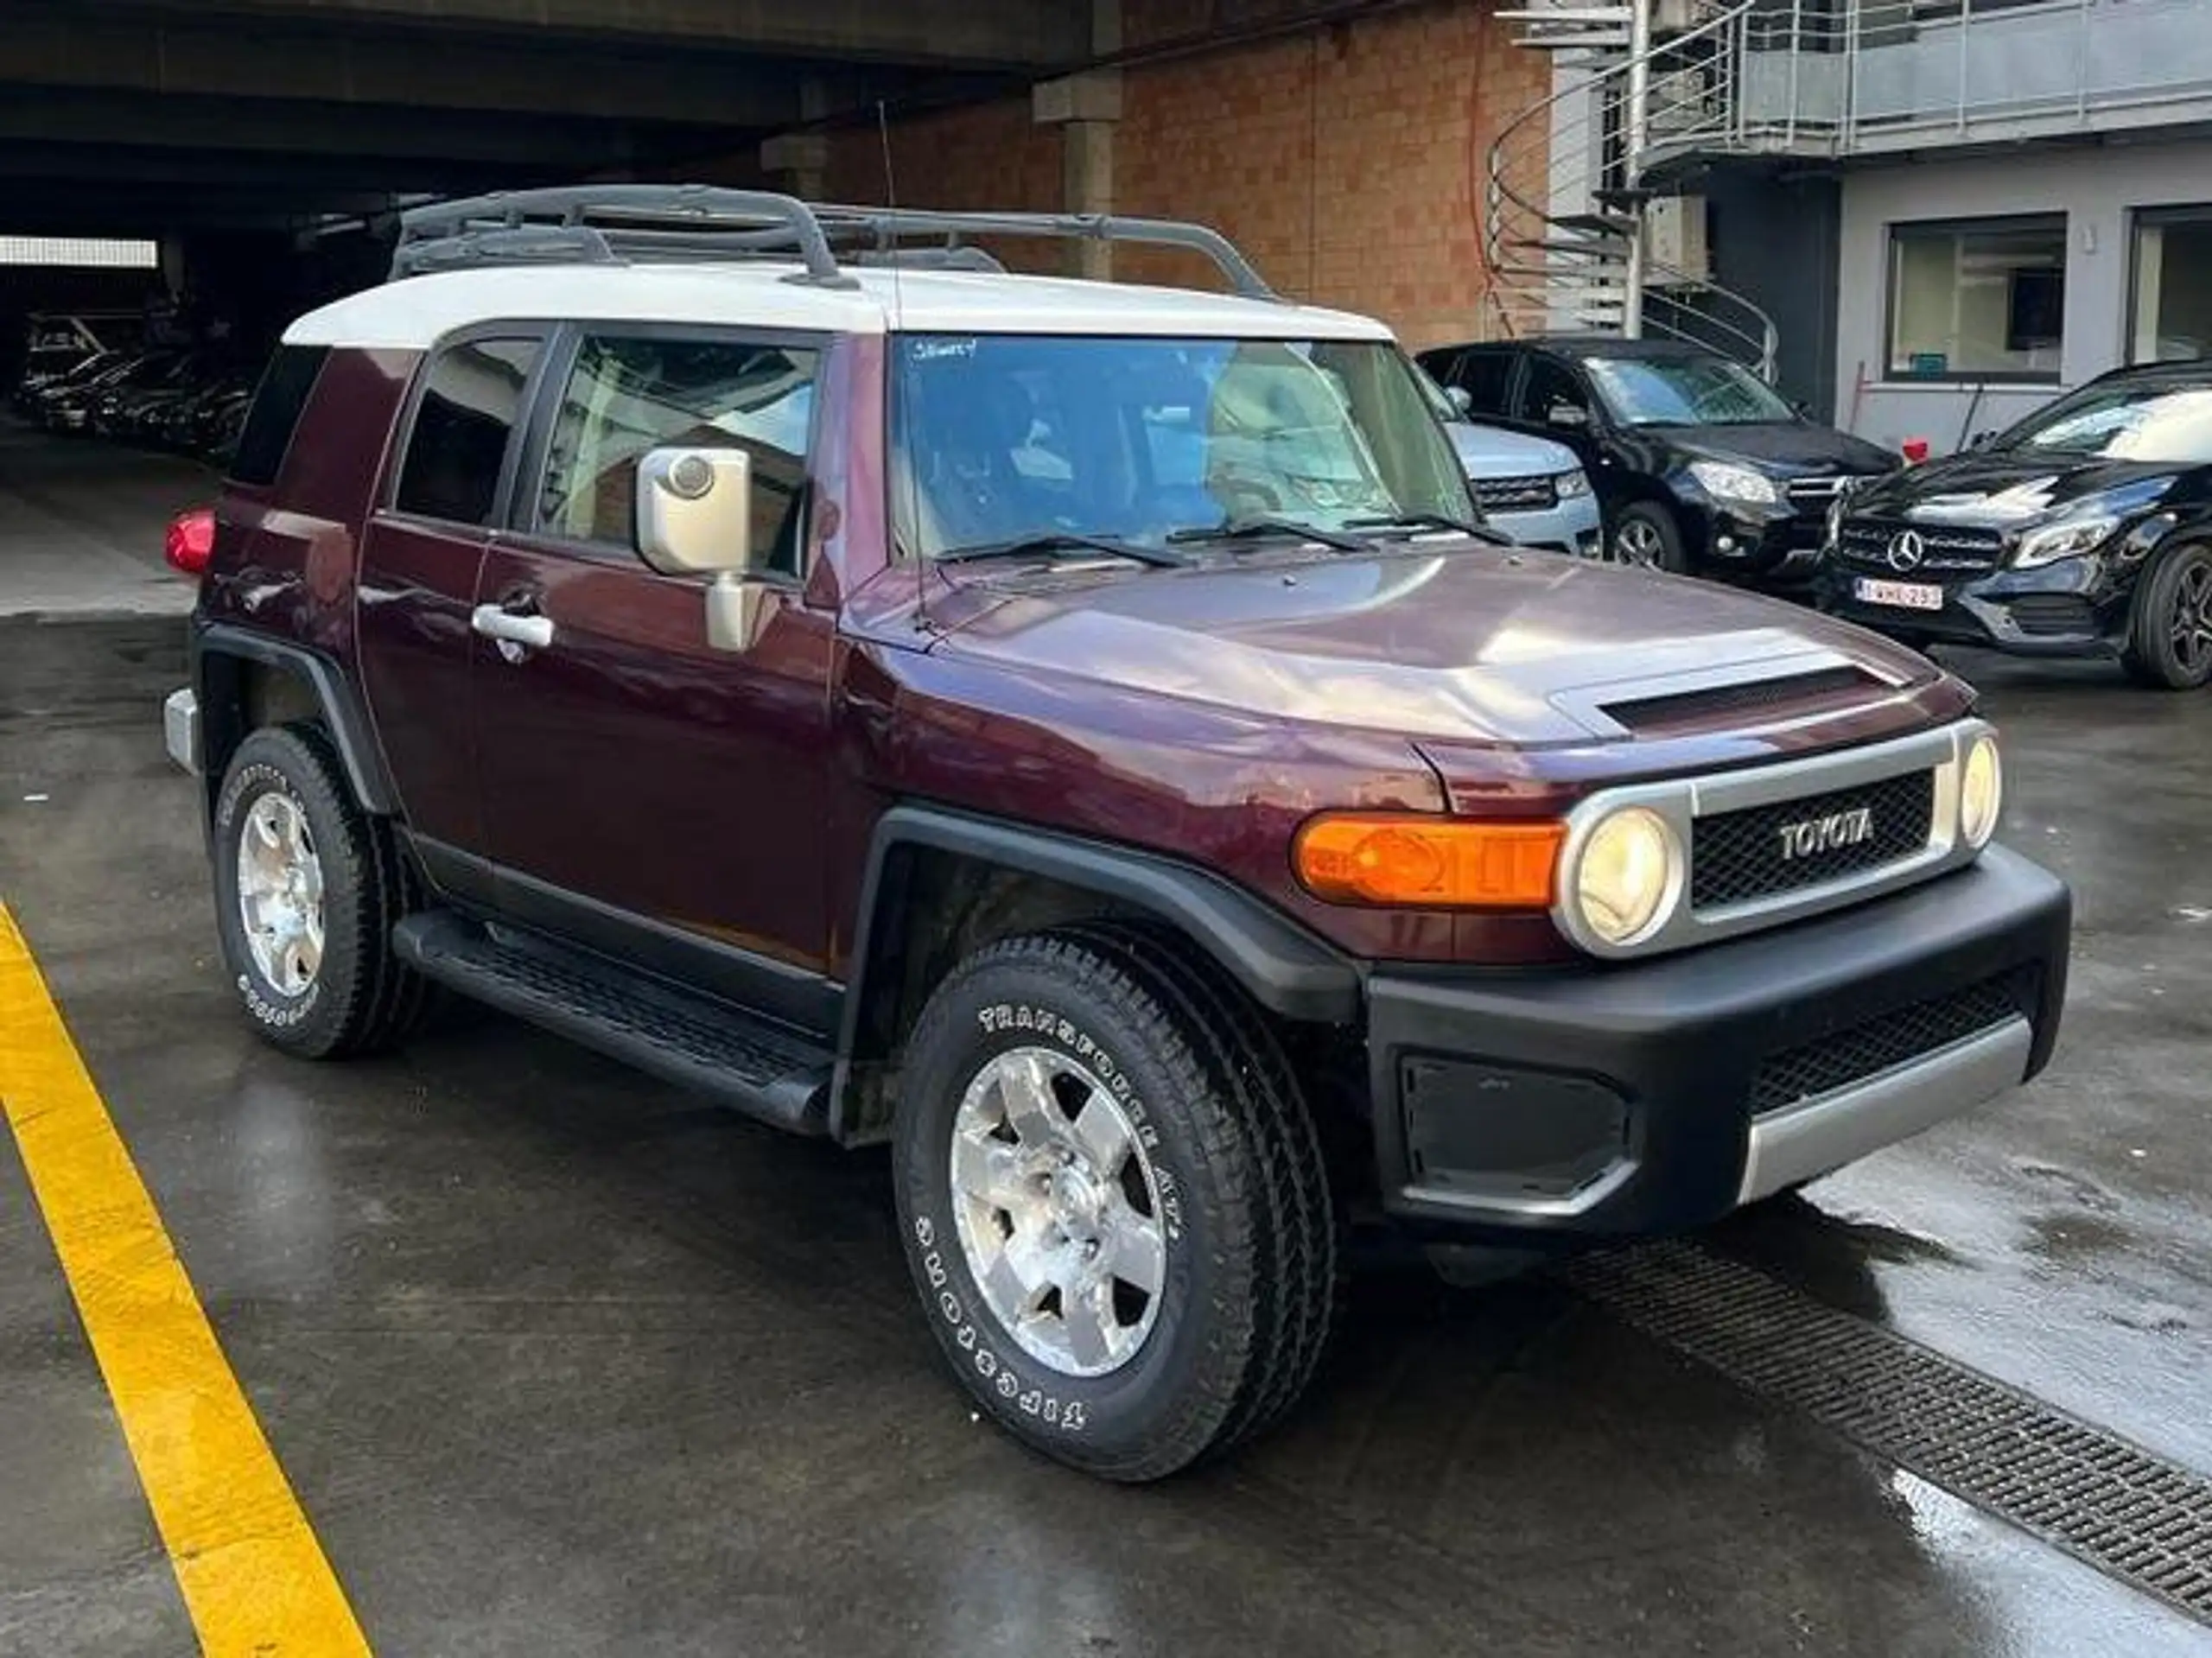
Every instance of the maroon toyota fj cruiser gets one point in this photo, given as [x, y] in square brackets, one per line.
[1074, 733]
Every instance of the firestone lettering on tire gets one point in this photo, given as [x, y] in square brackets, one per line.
[1070, 1415]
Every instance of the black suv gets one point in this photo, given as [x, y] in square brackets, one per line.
[1699, 465]
[2084, 531]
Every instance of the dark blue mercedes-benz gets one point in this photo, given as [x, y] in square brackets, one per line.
[2084, 531]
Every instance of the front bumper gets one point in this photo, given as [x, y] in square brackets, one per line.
[1621, 1101]
[2075, 607]
[1776, 545]
[1571, 526]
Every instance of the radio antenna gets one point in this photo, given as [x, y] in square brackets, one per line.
[891, 202]
[902, 464]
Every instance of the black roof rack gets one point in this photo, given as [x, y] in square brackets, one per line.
[623, 223]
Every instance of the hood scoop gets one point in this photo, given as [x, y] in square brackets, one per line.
[1785, 685]
[1681, 710]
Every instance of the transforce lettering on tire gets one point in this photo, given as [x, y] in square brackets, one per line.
[1069, 1415]
[1002, 1017]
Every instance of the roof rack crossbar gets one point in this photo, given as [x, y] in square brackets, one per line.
[888, 224]
[602, 223]
[522, 245]
[763, 218]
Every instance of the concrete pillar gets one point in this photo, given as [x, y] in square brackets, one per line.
[1085, 107]
[796, 164]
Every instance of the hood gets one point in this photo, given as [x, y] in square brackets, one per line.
[1493, 452]
[1797, 447]
[1463, 643]
[1998, 488]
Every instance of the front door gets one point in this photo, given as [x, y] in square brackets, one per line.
[420, 556]
[645, 793]
[1554, 401]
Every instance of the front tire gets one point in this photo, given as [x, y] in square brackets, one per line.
[1113, 1202]
[307, 887]
[2170, 635]
[1647, 536]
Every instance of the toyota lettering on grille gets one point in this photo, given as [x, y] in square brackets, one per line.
[1815, 835]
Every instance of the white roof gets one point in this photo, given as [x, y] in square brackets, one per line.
[413, 314]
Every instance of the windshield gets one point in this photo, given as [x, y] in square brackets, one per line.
[2155, 422]
[999, 438]
[1685, 391]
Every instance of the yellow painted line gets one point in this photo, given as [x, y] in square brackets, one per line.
[254, 1578]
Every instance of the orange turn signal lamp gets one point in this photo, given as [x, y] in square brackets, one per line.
[1425, 861]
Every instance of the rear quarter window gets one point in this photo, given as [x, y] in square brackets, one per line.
[285, 386]
[471, 405]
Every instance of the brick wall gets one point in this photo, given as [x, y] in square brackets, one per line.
[1346, 160]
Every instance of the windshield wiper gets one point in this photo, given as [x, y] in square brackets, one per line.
[1262, 526]
[1433, 521]
[1065, 542]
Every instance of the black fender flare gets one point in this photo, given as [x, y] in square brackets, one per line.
[216, 644]
[1281, 964]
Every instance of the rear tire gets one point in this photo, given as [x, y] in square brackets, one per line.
[2170, 632]
[1647, 537]
[307, 887]
[1196, 1168]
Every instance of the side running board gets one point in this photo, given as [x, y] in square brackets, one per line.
[753, 1064]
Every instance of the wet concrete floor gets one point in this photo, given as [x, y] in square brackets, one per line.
[558, 1361]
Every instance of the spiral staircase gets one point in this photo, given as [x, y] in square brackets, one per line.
[1644, 92]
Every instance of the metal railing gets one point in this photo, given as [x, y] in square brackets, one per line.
[1566, 184]
[1869, 74]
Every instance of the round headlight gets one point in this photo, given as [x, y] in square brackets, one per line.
[1628, 876]
[1981, 791]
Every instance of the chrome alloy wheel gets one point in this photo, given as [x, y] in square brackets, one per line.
[2192, 619]
[1638, 542]
[1058, 1212]
[280, 894]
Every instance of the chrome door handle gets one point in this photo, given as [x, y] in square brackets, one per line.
[532, 632]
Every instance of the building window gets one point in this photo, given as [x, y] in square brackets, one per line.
[95, 250]
[1979, 299]
[2171, 317]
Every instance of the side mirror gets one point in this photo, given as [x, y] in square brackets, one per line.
[694, 511]
[1462, 401]
[1571, 416]
[694, 517]
[1980, 440]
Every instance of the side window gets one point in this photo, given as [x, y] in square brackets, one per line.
[1486, 376]
[1442, 365]
[277, 405]
[471, 404]
[626, 396]
[1549, 384]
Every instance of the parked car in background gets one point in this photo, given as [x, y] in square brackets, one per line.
[191, 398]
[1528, 487]
[2084, 531]
[77, 407]
[1701, 467]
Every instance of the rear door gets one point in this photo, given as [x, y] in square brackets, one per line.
[645, 793]
[420, 558]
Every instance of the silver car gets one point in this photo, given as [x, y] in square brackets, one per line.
[1530, 488]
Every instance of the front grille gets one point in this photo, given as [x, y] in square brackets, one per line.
[1740, 855]
[2048, 615]
[1814, 494]
[1866, 543]
[1907, 1034]
[1516, 494]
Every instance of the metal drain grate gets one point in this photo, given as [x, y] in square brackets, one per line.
[2111, 1504]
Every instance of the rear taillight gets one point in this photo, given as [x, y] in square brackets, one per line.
[191, 542]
